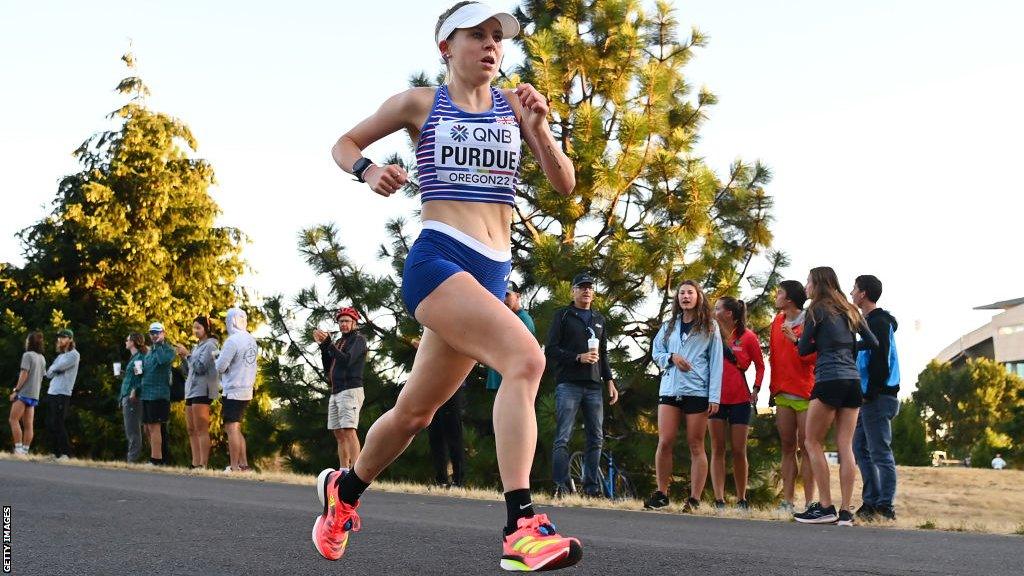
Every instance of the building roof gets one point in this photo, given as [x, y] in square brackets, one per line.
[1004, 305]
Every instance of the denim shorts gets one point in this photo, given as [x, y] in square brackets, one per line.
[28, 401]
[442, 251]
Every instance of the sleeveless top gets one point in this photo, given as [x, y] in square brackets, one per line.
[469, 157]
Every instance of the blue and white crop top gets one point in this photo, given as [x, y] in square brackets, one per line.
[469, 157]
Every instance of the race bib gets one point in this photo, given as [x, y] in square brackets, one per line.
[477, 154]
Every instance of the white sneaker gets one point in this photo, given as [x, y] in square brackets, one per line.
[63, 457]
[21, 450]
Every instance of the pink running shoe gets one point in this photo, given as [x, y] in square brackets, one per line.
[536, 546]
[330, 532]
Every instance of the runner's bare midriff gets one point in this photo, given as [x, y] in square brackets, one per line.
[488, 223]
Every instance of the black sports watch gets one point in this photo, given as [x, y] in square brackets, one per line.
[359, 167]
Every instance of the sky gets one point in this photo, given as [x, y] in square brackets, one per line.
[892, 128]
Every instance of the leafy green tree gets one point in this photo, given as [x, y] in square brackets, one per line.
[910, 436]
[131, 239]
[969, 409]
[647, 212]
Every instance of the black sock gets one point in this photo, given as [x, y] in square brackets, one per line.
[351, 487]
[519, 504]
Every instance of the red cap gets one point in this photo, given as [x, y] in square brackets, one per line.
[347, 311]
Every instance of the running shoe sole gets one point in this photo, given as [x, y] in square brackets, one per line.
[831, 519]
[321, 486]
[561, 559]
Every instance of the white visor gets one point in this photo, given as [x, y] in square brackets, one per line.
[472, 15]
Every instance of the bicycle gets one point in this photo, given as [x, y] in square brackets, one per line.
[615, 484]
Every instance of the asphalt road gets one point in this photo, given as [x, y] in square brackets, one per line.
[81, 521]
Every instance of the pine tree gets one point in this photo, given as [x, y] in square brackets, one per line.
[131, 239]
[909, 436]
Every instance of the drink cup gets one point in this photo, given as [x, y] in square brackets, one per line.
[593, 344]
[138, 366]
[117, 368]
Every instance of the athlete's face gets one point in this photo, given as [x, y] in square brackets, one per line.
[475, 52]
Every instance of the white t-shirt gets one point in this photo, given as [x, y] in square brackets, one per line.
[998, 463]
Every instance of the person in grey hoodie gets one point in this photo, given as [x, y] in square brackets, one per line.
[62, 374]
[237, 366]
[831, 330]
[202, 386]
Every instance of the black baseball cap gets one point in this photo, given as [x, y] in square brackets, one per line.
[583, 278]
[512, 287]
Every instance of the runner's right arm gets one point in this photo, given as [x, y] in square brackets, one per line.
[400, 111]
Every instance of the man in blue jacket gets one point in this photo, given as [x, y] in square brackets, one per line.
[879, 371]
[577, 349]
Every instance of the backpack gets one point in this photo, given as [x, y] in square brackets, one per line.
[864, 357]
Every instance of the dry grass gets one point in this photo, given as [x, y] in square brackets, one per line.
[951, 499]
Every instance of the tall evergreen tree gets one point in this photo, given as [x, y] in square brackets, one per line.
[910, 436]
[647, 212]
[131, 239]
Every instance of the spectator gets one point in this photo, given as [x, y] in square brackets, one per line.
[578, 349]
[880, 382]
[514, 303]
[25, 396]
[201, 388]
[445, 436]
[688, 349]
[131, 392]
[62, 374]
[831, 331]
[343, 362]
[156, 392]
[741, 348]
[791, 385]
[236, 364]
[998, 463]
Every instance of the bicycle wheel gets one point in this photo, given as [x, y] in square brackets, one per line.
[576, 471]
[624, 489]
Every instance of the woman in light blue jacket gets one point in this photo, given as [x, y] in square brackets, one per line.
[688, 350]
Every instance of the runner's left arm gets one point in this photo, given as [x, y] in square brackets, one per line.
[532, 109]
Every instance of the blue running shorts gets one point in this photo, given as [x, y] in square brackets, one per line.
[441, 251]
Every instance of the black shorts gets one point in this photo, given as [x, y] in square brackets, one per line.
[197, 400]
[155, 411]
[738, 414]
[839, 393]
[688, 404]
[232, 410]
